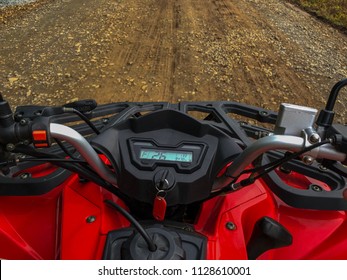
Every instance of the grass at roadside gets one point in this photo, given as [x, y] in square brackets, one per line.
[334, 11]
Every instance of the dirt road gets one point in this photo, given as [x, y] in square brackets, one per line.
[258, 52]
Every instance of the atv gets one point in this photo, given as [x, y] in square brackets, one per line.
[162, 181]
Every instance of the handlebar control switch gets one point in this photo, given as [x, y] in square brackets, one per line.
[40, 133]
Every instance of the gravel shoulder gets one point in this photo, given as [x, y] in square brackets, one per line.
[257, 52]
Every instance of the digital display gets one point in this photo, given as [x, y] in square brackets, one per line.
[178, 156]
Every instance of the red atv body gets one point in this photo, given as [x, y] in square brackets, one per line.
[54, 210]
[72, 222]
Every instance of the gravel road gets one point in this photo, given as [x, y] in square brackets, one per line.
[253, 51]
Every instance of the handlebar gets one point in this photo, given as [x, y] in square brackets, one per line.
[71, 136]
[280, 142]
[252, 152]
[269, 143]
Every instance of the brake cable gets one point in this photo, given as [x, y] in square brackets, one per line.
[82, 170]
[64, 149]
[82, 117]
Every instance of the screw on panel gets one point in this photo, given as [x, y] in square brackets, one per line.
[316, 188]
[91, 219]
[314, 138]
[24, 176]
[322, 167]
[230, 226]
[308, 160]
[23, 122]
[263, 113]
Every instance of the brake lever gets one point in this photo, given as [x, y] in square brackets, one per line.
[84, 106]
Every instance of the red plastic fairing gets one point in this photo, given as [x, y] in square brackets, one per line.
[242, 208]
[316, 234]
[72, 221]
[86, 220]
[29, 226]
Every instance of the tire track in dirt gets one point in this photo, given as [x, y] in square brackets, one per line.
[257, 59]
[148, 57]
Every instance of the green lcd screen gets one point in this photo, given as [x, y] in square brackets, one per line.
[179, 156]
